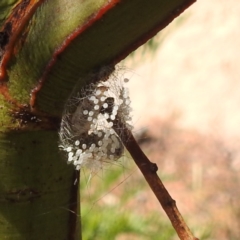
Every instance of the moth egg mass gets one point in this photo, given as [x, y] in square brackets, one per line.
[106, 115]
[96, 101]
[87, 129]
[98, 92]
[78, 152]
[105, 105]
[69, 149]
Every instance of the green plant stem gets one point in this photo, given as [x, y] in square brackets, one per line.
[38, 198]
[149, 171]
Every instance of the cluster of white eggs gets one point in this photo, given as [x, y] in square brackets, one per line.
[87, 134]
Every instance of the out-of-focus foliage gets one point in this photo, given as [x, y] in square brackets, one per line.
[114, 218]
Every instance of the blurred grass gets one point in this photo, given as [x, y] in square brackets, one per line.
[103, 219]
[109, 223]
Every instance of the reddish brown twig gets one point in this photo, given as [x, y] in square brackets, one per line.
[149, 171]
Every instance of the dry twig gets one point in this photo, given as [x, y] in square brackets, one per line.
[149, 171]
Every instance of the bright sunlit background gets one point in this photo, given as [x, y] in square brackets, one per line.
[186, 101]
[195, 72]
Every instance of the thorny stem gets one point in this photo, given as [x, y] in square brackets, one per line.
[149, 171]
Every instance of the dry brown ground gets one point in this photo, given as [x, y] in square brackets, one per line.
[202, 175]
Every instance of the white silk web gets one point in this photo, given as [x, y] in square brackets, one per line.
[86, 133]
